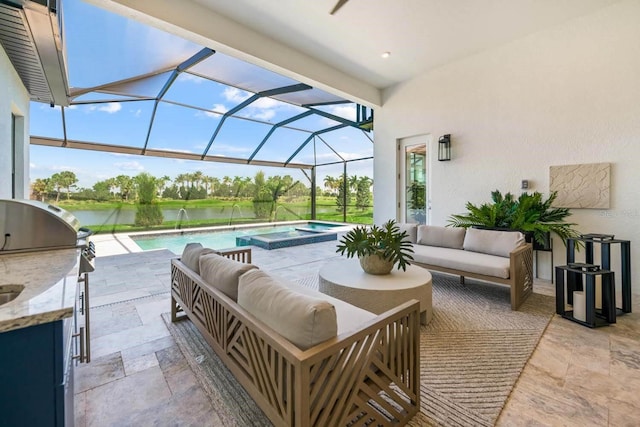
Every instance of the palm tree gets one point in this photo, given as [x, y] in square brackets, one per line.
[197, 177]
[330, 183]
[226, 181]
[126, 184]
[353, 182]
[215, 184]
[162, 182]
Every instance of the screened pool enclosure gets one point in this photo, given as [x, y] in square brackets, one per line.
[136, 90]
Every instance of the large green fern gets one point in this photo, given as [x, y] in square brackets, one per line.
[529, 213]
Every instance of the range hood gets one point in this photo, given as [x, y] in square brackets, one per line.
[31, 33]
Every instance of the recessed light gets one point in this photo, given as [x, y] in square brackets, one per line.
[385, 55]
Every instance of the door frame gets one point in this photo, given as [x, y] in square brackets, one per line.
[402, 143]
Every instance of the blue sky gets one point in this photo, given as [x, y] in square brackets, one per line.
[100, 50]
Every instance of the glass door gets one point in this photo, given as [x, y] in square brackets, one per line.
[413, 180]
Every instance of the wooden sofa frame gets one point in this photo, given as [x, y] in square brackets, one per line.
[370, 376]
[520, 274]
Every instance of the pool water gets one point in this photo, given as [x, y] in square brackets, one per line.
[176, 242]
[319, 226]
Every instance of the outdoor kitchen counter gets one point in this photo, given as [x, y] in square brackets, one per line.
[50, 280]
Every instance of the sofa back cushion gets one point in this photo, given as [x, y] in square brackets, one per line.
[223, 273]
[191, 255]
[302, 319]
[411, 229]
[493, 242]
[444, 237]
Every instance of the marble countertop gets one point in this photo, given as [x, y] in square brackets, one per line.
[49, 279]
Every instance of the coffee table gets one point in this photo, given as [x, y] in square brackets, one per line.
[344, 279]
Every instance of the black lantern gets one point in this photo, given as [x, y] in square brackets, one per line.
[444, 148]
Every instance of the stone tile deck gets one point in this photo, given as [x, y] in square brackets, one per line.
[138, 376]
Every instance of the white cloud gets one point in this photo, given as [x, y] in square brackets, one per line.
[137, 112]
[187, 77]
[129, 166]
[123, 155]
[219, 108]
[265, 115]
[235, 95]
[111, 107]
[346, 111]
[263, 103]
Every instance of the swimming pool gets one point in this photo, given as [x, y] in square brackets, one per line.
[294, 234]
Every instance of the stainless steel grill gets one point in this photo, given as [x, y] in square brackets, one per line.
[29, 225]
[32, 226]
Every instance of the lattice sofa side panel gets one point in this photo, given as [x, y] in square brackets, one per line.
[372, 380]
[522, 275]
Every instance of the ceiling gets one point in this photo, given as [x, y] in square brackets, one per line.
[420, 34]
[341, 53]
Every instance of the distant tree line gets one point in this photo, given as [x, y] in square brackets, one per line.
[264, 191]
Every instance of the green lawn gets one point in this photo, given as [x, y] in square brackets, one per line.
[283, 212]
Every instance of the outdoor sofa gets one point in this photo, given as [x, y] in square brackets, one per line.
[490, 255]
[305, 358]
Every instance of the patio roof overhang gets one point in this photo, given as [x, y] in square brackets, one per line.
[31, 35]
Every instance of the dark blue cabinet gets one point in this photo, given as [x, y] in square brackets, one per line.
[32, 376]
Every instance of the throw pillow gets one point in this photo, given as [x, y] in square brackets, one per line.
[191, 255]
[411, 229]
[302, 319]
[223, 273]
[493, 242]
[444, 237]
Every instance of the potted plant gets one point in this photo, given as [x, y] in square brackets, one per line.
[378, 248]
[530, 213]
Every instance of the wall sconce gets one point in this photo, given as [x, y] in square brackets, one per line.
[444, 148]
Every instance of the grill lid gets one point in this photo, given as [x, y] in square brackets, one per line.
[29, 225]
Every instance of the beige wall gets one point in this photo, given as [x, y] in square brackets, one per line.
[566, 95]
[13, 99]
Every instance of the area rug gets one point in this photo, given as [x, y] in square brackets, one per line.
[472, 353]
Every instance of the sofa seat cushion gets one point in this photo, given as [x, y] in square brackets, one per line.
[191, 255]
[223, 273]
[302, 319]
[349, 317]
[457, 259]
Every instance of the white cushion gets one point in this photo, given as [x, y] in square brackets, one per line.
[191, 255]
[411, 229]
[303, 320]
[350, 317]
[493, 242]
[444, 237]
[223, 273]
[473, 262]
